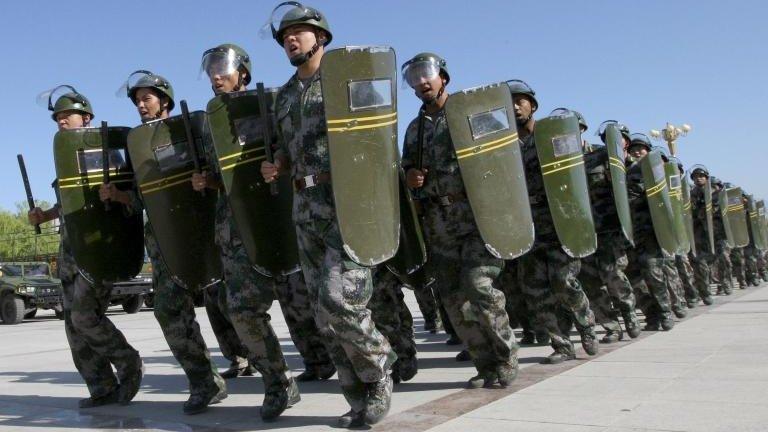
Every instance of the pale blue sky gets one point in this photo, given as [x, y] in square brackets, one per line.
[642, 62]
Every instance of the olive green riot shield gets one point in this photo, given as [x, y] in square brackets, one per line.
[688, 215]
[763, 223]
[183, 220]
[754, 224]
[709, 208]
[558, 145]
[675, 185]
[615, 146]
[722, 202]
[360, 99]
[412, 253]
[481, 123]
[263, 220]
[659, 202]
[106, 244]
[737, 218]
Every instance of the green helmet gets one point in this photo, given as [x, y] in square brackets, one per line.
[640, 139]
[70, 101]
[152, 81]
[699, 169]
[434, 60]
[623, 130]
[582, 123]
[714, 181]
[291, 13]
[517, 87]
[234, 56]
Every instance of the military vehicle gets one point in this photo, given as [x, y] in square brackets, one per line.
[26, 287]
[136, 292]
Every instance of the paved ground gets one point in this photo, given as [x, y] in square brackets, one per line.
[708, 374]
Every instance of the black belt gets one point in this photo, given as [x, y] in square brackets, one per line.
[443, 200]
[311, 180]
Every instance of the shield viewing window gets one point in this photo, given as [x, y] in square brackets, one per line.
[174, 156]
[249, 129]
[674, 181]
[488, 122]
[566, 144]
[91, 160]
[369, 94]
[734, 200]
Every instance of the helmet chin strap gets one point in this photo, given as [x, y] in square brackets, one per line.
[300, 59]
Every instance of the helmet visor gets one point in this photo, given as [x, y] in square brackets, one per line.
[218, 62]
[420, 71]
[289, 10]
[48, 98]
[519, 86]
[133, 79]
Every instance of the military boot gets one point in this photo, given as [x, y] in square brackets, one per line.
[632, 325]
[453, 340]
[238, 367]
[378, 400]
[692, 303]
[463, 356]
[130, 381]
[529, 337]
[355, 395]
[507, 372]
[679, 311]
[278, 400]
[589, 341]
[560, 355]
[406, 368]
[317, 372]
[612, 336]
[93, 402]
[667, 323]
[199, 400]
[651, 325]
[707, 300]
[542, 338]
[484, 378]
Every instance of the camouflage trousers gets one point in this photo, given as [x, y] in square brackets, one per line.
[229, 343]
[649, 280]
[249, 297]
[702, 274]
[175, 312]
[340, 290]
[606, 285]
[466, 279]
[751, 257]
[722, 267]
[738, 269]
[549, 278]
[674, 285]
[517, 303]
[427, 302]
[761, 262]
[685, 271]
[96, 344]
[391, 314]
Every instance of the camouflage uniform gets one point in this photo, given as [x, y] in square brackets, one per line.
[685, 271]
[95, 343]
[610, 260]
[762, 265]
[701, 262]
[466, 273]
[739, 266]
[722, 273]
[517, 304]
[393, 318]
[647, 260]
[548, 276]
[339, 288]
[675, 287]
[215, 306]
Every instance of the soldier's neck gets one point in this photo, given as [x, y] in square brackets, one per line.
[526, 129]
[437, 105]
[311, 66]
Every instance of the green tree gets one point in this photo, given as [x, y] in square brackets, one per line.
[18, 240]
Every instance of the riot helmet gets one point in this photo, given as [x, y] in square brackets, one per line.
[225, 60]
[65, 98]
[562, 111]
[517, 86]
[290, 13]
[640, 139]
[146, 79]
[623, 129]
[699, 169]
[423, 67]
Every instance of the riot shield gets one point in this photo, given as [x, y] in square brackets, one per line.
[762, 220]
[558, 145]
[481, 123]
[360, 99]
[183, 220]
[675, 185]
[615, 146]
[263, 220]
[659, 202]
[688, 215]
[106, 244]
[710, 218]
[755, 228]
[722, 204]
[412, 253]
[737, 218]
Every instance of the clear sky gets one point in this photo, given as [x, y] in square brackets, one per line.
[641, 62]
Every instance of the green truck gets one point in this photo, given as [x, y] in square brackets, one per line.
[26, 287]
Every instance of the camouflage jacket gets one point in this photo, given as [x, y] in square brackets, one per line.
[304, 141]
[601, 190]
[443, 177]
[542, 218]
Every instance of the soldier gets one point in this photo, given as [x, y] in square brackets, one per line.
[95, 343]
[701, 261]
[466, 273]
[339, 288]
[248, 293]
[174, 308]
[606, 267]
[647, 260]
[723, 274]
[548, 275]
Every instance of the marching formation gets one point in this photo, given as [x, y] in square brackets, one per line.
[496, 220]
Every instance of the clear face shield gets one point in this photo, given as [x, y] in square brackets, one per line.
[133, 79]
[419, 72]
[289, 10]
[517, 86]
[219, 62]
[48, 98]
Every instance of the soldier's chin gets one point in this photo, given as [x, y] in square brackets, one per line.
[298, 60]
